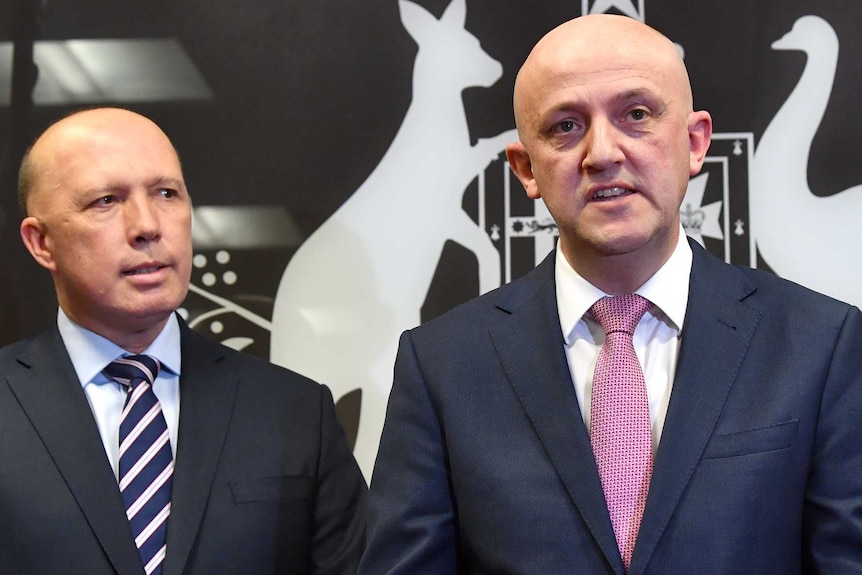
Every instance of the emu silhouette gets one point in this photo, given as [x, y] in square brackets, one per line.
[802, 237]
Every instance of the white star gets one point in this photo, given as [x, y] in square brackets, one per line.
[624, 6]
[698, 220]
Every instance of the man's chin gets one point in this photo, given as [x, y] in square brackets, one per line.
[622, 245]
[146, 317]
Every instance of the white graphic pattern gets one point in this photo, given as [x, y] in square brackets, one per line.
[802, 237]
[362, 277]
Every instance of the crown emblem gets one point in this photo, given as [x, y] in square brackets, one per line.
[692, 220]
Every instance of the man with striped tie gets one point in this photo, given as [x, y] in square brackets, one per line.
[129, 444]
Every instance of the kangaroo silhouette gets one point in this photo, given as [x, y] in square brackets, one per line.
[361, 278]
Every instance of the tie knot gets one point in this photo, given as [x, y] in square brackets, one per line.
[620, 313]
[133, 369]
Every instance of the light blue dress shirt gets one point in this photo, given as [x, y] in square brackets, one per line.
[91, 353]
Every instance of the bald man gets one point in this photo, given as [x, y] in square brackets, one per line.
[735, 447]
[256, 472]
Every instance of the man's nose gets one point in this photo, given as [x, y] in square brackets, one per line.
[142, 219]
[602, 144]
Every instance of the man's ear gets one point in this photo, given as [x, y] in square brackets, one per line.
[699, 136]
[33, 234]
[522, 167]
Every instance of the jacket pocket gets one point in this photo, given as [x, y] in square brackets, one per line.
[762, 439]
[286, 488]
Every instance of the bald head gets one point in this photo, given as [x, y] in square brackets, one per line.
[39, 165]
[608, 140]
[592, 45]
[109, 215]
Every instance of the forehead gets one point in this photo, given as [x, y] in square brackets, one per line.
[601, 65]
[615, 78]
[585, 93]
[108, 155]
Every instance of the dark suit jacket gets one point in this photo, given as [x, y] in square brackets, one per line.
[264, 482]
[485, 463]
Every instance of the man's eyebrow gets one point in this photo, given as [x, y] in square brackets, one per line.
[165, 181]
[638, 94]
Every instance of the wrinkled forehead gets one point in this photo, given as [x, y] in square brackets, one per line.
[83, 155]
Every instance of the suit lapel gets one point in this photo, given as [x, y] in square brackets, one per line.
[530, 347]
[718, 330]
[45, 385]
[207, 396]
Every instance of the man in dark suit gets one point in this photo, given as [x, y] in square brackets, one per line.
[753, 384]
[261, 477]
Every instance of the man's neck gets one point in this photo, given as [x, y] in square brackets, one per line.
[619, 273]
[132, 338]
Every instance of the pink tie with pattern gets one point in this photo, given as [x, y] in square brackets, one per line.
[619, 418]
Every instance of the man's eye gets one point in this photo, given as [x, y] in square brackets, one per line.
[566, 126]
[638, 114]
[105, 201]
[167, 193]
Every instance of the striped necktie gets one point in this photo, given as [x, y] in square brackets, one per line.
[146, 463]
[620, 420]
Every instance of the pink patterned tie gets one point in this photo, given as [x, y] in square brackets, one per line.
[619, 420]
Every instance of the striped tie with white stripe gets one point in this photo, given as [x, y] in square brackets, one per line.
[146, 462]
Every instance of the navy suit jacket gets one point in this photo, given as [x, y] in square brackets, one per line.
[264, 481]
[485, 463]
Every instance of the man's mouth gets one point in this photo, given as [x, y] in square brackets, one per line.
[610, 193]
[143, 270]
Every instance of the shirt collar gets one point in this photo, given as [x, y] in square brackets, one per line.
[90, 352]
[667, 289]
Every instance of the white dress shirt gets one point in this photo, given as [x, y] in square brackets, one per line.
[91, 353]
[656, 338]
